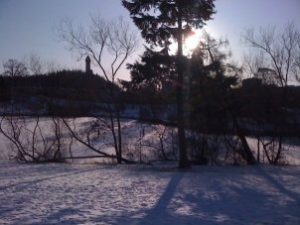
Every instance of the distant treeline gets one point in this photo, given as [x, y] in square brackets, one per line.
[69, 85]
[80, 93]
[77, 85]
[251, 99]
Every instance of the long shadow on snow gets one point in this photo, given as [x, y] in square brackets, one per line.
[154, 215]
[228, 200]
[157, 212]
[224, 200]
[160, 209]
[217, 200]
[278, 185]
[239, 205]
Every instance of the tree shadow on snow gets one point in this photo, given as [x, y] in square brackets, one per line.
[160, 209]
[212, 197]
[216, 199]
[155, 215]
[229, 200]
[278, 185]
[224, 200]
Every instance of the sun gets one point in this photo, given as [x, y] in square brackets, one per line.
[191, 42]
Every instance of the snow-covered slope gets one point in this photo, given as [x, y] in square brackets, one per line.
[94, 194]
[141, 141]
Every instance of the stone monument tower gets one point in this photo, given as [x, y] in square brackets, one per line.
[88, 65]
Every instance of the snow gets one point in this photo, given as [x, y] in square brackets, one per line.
[291, 149]
[103, 194]
[93, 193]
[131, 130]
[140, 141]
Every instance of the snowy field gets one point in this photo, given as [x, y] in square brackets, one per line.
[89, 193]
[140, 141]
[98, 194]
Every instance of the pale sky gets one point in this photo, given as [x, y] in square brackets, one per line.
[27, 26]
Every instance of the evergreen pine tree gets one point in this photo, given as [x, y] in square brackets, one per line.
[159, 22]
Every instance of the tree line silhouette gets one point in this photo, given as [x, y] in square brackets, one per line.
[69, 85]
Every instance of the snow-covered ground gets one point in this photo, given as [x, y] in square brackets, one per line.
[100, 138]
[99, 194]
[139, 140]
[160, 194]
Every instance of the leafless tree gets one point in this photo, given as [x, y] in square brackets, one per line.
[296, 65]
[160, 134]
[34, 140]
[35, 64]
[13, 68]
[114, 37]
[280, 50]
[276, 52]
[87, 136]
[114, 40]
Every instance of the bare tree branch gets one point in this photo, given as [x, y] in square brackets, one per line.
[279, 48]
[104, 38]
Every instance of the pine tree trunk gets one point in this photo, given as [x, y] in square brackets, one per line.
[183, 159]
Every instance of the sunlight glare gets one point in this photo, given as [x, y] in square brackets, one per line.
[191, 42]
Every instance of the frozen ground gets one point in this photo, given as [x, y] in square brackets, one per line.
[98, 194]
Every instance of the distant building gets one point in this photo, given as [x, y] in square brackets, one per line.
[267, 76]
[88, 65]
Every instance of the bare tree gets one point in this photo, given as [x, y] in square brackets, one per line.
[296, 65]
[276, 57]
[13, 68]
[114, 39]
[280, 50]
[34, 140]
[31, 139]
[35, 64]
[159, 142]
[87, 137]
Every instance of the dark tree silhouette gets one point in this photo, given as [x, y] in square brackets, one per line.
[161, 20]
[154, 69]
[212, 82]
[14, 68]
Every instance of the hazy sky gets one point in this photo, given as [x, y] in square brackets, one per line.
[27, 26]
